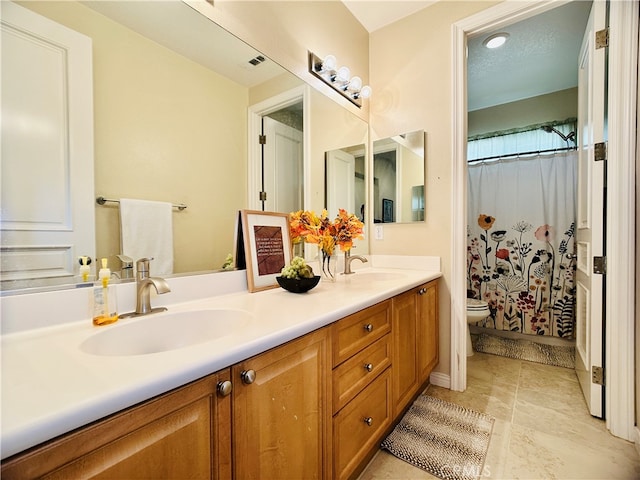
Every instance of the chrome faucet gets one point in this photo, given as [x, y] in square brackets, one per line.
[143, 289]
[348, 258]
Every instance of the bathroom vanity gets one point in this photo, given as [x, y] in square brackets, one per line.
[307, 389]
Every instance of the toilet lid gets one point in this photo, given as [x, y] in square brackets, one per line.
[473, 304]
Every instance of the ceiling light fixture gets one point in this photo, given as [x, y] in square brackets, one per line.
[496, 40]
[339, 79]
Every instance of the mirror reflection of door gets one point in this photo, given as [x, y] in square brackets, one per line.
[385, 161]
[345, 185]
[282, 160]
[340, 184]
[47, 217]
[399, 178]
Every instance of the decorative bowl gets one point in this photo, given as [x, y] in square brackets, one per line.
[298, 285]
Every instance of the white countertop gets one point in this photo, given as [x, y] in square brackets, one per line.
[50, 386]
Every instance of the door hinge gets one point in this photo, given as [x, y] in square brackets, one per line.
[262, 139]
[263, 196]
[600, 265]
[602, 38]
[600, 151]
[597, 375]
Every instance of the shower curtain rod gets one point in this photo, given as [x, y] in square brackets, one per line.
[534, 152]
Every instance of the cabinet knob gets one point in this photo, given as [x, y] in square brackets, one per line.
[248, 376]
[368, 367]
[224, 388]
[368, 327]
[368, 421]
[422, 291]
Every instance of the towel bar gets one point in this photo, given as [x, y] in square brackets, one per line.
[102, 201]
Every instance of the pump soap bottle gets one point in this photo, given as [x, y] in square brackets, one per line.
[85, 269]
[105, 308]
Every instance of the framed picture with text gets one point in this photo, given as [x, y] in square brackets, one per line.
[387, 210]
[267, 247]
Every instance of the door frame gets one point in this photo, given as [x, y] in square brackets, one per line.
[623, 57]
[254, 129]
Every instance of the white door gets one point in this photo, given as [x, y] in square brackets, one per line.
[340, 184]
[282, 167]
[47, 149]
[591, 213]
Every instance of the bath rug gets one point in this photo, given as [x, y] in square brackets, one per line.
[557, 355]
[442, 438]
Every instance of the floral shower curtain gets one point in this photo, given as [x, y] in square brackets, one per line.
[520, 245]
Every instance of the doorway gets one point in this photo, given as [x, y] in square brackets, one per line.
[623, 81]
[284, 158]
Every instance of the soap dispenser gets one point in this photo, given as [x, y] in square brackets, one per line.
[85, 269]
[105, 308]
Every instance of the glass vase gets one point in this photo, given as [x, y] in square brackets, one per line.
[327, 265]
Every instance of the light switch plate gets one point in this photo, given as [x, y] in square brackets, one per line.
[378, 232]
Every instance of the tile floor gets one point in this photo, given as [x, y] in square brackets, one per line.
[542, 428]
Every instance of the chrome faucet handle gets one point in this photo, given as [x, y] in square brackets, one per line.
[142, 267]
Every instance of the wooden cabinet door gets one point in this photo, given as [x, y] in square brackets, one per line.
[404, 333]
[281, 411]
[182, 434]
[428, 334]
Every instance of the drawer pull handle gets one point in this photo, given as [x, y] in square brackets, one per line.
[368, 327]
[368, 367]
[368, 421]
[248, 376]
[224, 388]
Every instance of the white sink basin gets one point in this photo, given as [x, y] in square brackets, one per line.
[162, 332]
[377, 276]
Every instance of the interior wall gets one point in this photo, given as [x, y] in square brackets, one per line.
[531, 111]
[412, 85]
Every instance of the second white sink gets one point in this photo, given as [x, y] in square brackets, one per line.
[164, 332]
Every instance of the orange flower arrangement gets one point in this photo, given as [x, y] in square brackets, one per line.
[306, 226]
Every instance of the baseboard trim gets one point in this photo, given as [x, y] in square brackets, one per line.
[440, 379]
[636, 438]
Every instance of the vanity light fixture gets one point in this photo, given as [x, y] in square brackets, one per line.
[496, 40]
[339, 79]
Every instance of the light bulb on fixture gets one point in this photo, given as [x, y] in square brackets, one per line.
[343, 74]
[365, 92]
[338, 78]
[355, 83]
[329, 63]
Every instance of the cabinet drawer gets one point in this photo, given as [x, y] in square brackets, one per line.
[353, 437]
[357, 372]
[355, 332]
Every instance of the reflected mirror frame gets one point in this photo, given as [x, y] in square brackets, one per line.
[413, 195]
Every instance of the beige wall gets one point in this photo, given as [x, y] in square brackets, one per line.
[411, 80]
[531, 111]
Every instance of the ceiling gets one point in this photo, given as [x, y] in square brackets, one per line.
[375, 14]
[540, 57]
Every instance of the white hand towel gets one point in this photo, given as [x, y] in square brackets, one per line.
[146, 231]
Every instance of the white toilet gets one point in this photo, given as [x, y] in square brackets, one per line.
[476, 310]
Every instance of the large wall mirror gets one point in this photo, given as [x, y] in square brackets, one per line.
[399, 178]
[171, 94]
